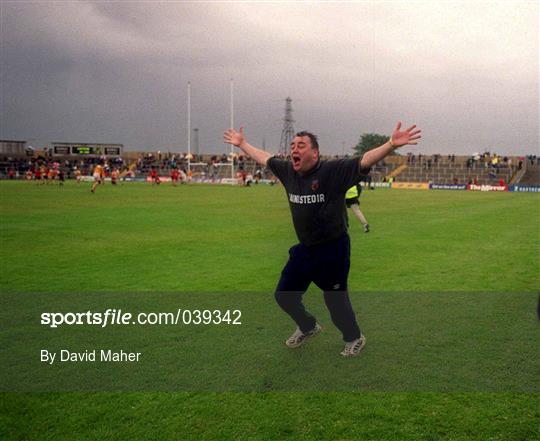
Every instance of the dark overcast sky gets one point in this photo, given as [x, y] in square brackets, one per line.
[465, 72]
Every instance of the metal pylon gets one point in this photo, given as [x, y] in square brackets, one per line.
[287, 133]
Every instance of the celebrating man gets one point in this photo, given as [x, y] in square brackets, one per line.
[316, 192]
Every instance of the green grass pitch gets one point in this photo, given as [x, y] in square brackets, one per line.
[437, 269]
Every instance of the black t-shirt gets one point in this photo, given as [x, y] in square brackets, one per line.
[317, 198]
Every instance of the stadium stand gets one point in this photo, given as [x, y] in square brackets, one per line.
[458, 170]
[478, 169]
[531, 175]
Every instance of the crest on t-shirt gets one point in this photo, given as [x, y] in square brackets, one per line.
[315, 185]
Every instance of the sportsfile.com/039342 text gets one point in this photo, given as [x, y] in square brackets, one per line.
[119, 317]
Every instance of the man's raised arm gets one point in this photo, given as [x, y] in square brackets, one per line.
[398, 139]
[237, 139]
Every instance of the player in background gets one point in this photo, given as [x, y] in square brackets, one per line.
[61, 177]
[258, 175]
[154, 178]
[352, 201]
[243, 177]
[183, 176]
[175, 174]
[56, 173]
[51, 175]
[98, 177]
[43, 172]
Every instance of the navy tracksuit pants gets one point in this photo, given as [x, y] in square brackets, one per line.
[327, 265]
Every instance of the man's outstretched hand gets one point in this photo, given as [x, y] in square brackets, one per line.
[409, 136]
[231, 136]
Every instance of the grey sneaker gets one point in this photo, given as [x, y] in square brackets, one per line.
[353, 348]
[298, 337]
[366, 228]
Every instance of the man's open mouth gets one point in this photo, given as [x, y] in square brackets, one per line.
[296, 160]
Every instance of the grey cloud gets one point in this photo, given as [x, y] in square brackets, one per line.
[117, 72]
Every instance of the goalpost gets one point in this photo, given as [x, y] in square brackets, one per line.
[200, 169]
[231, 156]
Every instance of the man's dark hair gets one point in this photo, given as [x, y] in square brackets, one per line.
[312, 138]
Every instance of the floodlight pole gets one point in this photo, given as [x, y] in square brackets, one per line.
[232, 126]
[189, 126]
